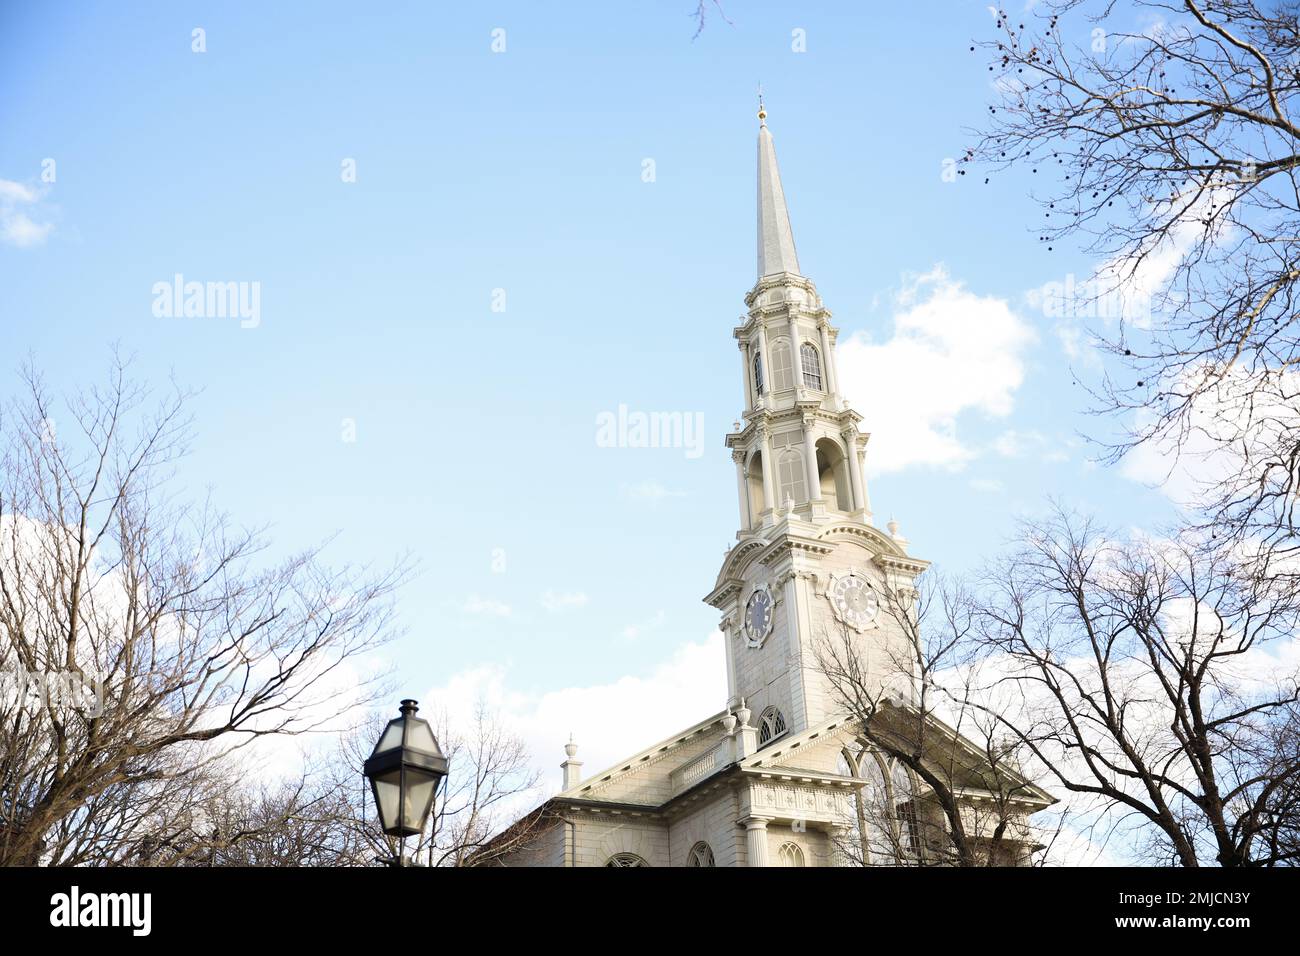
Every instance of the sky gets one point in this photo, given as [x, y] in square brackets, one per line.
[473, 229]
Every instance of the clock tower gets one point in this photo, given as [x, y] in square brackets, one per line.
[787, 773]
[808, 564]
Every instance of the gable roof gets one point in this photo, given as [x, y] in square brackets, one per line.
[783, 755]
[657, 760]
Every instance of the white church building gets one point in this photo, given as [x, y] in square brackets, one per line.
[783, 775]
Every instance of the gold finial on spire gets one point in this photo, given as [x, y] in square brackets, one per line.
[762, 113]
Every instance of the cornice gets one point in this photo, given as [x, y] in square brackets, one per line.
[791, 543]
[819, 317]
[779, 280]
[886, 552]
[608, 807]
[771, 418]
[892, 562]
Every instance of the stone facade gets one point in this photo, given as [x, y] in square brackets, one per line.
[781, 776]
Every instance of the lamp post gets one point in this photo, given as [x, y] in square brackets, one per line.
[404, 771]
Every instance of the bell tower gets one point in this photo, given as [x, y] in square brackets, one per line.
[807, 560]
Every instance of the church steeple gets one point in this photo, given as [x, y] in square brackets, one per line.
[799, 452]
[776, 251]
[807, 560]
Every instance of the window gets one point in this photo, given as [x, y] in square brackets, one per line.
[845, 765]
[812, 366]
[700, 855]
[790, 478]
[771, 724]
[782, 369]
[626, 859]
[878, 830]
[758, 371]
[789, 855]
[903, 797]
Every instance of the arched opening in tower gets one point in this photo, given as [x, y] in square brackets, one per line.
[833, 474]
[754, 478]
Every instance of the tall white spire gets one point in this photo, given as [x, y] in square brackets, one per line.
[775, 240]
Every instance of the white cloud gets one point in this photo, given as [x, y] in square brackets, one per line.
[1129, 288]
[562, 601]
[651, 491]
[1236, 427]
[609, 721]
[17, 227]
[1016, 444]
[986, 485]
[952, 352]
[633, 631]
[485, 606]
[12, 192]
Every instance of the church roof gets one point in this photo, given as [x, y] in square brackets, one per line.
[666, 755]
[775, 240]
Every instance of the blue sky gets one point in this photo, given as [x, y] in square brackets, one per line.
[522, 171]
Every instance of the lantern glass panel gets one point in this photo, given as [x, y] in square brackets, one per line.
[392, 737]
[420, 737]
[419, 797]
[388, 788]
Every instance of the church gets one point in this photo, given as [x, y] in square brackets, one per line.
[784, 775]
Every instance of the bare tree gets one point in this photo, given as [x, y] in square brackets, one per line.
[1279, 820]
[944, 788]
[183, 642]
[1160, 134]
[701, 15]
[1138, 674]
[303, 822]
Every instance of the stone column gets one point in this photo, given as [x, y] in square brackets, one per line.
[765, 362]
[795, 358]
[810, 446]
[769, 492]
[756, 840]
[855, 470]
[828, 366]
[837, 834]
[742, 487]
[862, 479]
[748, 375]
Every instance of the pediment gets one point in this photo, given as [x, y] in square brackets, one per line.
[816, 750]
[647, 778]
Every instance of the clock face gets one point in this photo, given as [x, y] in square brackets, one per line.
[853, 601]
[758, 616]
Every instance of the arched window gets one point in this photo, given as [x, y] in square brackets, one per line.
[758, 371]
[782, 367]
[887, 811]
[700, 855]
[790, 478]
[771, 724]
[903, 799]
[855, 843]
[625, 859]
[845, 766]
[812, 366]
[789, 855]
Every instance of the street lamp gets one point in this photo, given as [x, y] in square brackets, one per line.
[404, 771]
